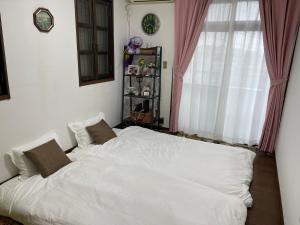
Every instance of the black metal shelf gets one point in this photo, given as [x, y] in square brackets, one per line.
[128, 120]
[138, 96]
[129, 101]
[145, 54]
[139, 76]
[155, 51]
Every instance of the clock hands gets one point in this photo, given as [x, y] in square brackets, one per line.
[150, 24]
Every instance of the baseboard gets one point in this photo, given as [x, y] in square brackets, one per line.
[120, 126]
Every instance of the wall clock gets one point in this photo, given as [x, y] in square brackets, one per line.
[43, 20]
[150, 24]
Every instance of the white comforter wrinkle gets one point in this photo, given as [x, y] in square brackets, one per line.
[224, 168]
[104, 190]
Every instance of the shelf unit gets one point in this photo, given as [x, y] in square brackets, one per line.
[152, 80]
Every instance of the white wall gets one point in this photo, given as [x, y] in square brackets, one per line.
[43, 74]
[288, 147]
[164, 37]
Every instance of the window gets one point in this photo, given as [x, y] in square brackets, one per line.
[95, 42]
[226, 86]
[4, 89]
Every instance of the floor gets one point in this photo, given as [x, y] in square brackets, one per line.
[266, 209]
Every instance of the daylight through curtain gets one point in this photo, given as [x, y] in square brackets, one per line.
[225, 88]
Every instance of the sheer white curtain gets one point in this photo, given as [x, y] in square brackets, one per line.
[225, 88]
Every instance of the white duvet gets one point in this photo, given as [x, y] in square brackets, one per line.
[223, 168]
[105, 190]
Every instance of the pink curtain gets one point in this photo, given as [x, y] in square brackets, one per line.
[189, 20]
[280, 24]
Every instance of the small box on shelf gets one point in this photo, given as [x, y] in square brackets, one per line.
[141, 117]
[148, 51]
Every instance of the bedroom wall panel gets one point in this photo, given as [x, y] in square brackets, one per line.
[288, 148]
[164, 37]
[43, 75]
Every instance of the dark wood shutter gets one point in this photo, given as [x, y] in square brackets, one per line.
[95, 40]
[4, 88]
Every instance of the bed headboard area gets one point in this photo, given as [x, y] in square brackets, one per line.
[7, 168]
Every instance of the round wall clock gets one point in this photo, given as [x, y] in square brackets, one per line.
[150, 24]
[43, 20]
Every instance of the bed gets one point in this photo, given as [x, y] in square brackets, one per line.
[106, 191]
[224, 168]
[140, 177]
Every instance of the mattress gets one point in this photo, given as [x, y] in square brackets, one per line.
[104, 190]
[7, 191]
[224, 168]
[141, 177]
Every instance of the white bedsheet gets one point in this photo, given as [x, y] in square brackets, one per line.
[6, 194]
[224, 168]
[106, 191]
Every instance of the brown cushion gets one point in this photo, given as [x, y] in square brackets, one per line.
[48, 158]
[101, 132]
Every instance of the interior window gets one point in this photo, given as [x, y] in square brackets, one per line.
[226, 87]
[94, 19]
[4, 89]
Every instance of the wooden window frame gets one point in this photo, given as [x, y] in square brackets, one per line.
[4, 78]
[95, 52]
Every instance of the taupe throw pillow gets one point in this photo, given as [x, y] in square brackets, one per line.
[48, 158]
[101, 132]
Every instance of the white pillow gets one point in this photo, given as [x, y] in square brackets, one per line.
[25, 166]
[82, 137]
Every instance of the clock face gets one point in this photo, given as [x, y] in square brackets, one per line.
[150, 24]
